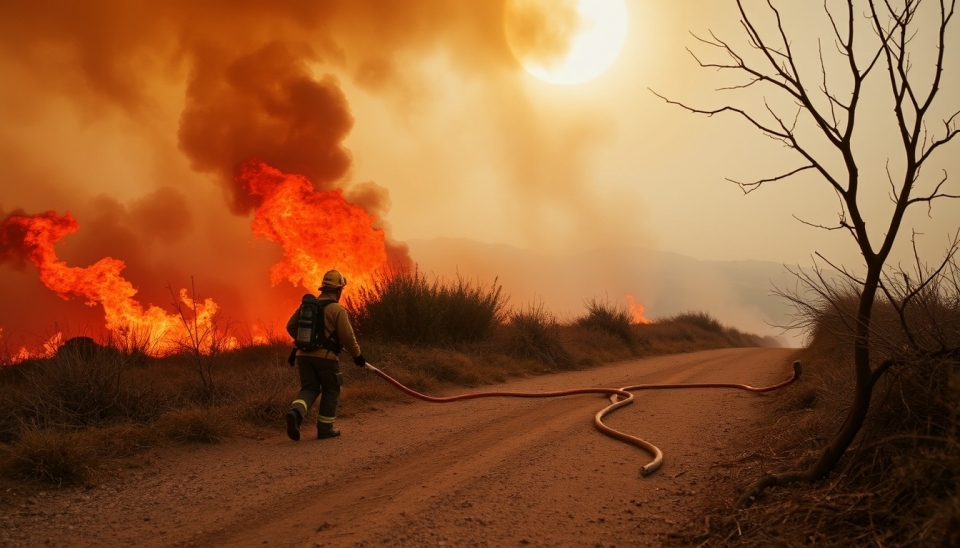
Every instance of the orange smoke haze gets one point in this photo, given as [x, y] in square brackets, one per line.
[140, 120]
[316, 230]
[240, 81]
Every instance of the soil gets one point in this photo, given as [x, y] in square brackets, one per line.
[486, 472]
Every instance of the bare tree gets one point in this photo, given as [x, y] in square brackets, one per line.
[877, 42]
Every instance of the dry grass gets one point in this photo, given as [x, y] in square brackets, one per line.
[50, 456]
[88, 404]
[196, 425]
[408, 308]
[534, 334]
[896, 486]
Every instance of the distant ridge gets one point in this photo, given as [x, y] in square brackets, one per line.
[738, 293]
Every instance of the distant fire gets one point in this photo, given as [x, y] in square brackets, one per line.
[317, 230]
[636, 310]
[45, 350]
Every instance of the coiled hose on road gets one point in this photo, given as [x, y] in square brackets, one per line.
[615, 394]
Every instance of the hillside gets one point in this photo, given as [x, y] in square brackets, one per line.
[738, 293]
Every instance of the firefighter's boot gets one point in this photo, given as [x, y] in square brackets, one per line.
[294, 420]
[326, 430]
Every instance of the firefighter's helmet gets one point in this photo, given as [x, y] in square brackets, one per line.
[332, 281]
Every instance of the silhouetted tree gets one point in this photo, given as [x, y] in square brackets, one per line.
[880, 42]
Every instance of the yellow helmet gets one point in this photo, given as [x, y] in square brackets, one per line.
[332, 281]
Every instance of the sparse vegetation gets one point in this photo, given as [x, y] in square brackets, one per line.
[51, 456]
[62, 416]
[898, 483]
[535, 335]
[820, 123]
[408, 308]
[609, 317]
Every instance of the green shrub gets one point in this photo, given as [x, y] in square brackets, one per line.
[406, 307]
[52, 456]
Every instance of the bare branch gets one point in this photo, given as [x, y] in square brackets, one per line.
[741, 112]
[951, 132]
[747, 188]
[933, 195]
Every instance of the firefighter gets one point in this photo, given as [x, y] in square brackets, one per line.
[320, 369]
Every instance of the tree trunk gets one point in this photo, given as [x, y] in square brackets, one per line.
[863, 391]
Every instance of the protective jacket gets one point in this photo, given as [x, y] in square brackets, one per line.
[334, 318]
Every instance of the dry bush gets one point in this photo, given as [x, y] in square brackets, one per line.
[406, 307]
[81, 385]
[196, 425]
[123, 440]
[610, 318]
[51, 456]
[263, 396]
[534, 335]
[898, 483]
[591, 347]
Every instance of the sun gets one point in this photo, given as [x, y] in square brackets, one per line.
[565, 41]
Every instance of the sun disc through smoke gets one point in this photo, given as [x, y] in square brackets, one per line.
[565, 41]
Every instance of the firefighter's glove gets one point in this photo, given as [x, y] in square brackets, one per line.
[360, 361]
[292, 360]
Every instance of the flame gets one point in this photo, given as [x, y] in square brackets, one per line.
[636, 310]
[131, 326]
[45, 350]
[317, 230]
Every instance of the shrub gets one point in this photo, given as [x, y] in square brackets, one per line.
[407, 307]
[702, 320]
[79, 386]
[196, 425]
[534, 335]
[51, 456]
[899, 481]
[262, 397]
[608, 317]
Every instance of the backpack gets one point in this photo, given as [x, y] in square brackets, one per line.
[309, 334]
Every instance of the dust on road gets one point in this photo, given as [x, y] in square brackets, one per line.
[488, 472]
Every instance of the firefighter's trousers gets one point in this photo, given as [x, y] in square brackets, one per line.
[321, 378]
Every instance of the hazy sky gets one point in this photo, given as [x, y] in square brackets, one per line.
[131, 115]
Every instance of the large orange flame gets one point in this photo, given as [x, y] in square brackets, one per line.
[636, 310]
[318, 230]
[131, 326]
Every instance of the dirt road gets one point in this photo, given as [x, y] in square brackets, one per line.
[489, 472]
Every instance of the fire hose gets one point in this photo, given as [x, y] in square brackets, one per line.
[619, 397]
